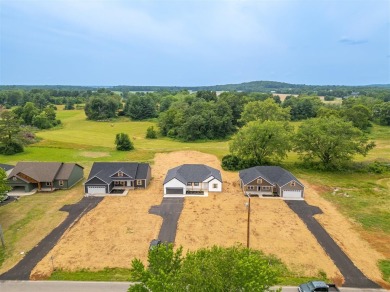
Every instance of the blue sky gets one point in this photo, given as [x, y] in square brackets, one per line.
[189, 43]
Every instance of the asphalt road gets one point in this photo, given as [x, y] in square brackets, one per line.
[352, 275]
[68, 286]
[170, 210]
[23, 269]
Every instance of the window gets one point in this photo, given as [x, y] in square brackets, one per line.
[139, 182]
[250, 187]
[266, 188]
[196, 184]
[215, 186]
[48, 183]
[293, 183]
[14, 178]
[189, 184]
[120, 173]
[61, 183]
[259, 181]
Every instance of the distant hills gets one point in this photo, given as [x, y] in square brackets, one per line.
[253, 86]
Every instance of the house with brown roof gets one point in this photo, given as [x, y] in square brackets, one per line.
[44, 176]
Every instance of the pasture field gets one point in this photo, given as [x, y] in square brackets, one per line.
[359, 201]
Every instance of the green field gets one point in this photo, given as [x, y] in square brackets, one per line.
[362, 196]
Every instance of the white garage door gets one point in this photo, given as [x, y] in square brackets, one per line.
[96, 190]
[292, 194]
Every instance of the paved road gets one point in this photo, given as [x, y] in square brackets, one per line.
[9, 200]
[170, 210]
[68, 286]
[352, 275]
[23, 269]
[62, 286]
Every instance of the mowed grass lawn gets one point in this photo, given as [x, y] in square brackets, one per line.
[361, 196]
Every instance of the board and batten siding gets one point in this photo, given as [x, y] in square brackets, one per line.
[75, 176]
[174, 183]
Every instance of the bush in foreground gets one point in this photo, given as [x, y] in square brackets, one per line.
[208, 269]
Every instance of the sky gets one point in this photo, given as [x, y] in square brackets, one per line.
[194, 43]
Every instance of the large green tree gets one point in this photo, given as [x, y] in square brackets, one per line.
[382, 113]
[140, 107]
[331, 140]
[267, 110]
[303, 107]
[9, 134]
[4, 187]
[101, 107]
[208, 269]
[262, 142]
[359, 115]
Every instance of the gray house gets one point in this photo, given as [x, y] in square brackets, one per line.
[44, 176]
[107, 176]
[192, 179]
[270, 181]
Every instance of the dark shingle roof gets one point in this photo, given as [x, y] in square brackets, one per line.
[273, 174]
[43, 171]
[104, 170]
[192, 173]
[6, 167]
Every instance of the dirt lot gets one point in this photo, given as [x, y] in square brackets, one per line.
[120, 228]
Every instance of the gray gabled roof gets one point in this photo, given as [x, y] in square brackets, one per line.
[104, 170]
[273, 174]
[39, 171]
[6, 167]
[192, 173]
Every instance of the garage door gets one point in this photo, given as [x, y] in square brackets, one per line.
[96, 190]
[174, 191]
[292, 194]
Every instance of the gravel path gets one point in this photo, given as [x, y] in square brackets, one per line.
[23, 269]
[352, 275]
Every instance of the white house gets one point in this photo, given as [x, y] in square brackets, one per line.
[192, 179]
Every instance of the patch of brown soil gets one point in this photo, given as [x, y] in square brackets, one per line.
[111, 235]
[120, 228]
[221, 219]
[346, 233]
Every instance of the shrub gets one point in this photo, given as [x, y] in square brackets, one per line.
[151, 133]
[123, 142]
[11, 148]
[231, 162]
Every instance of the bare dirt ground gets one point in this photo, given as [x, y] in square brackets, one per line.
[221, 219]
[120, 228]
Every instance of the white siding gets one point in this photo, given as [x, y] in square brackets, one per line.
[174, 183]
[217, 183]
